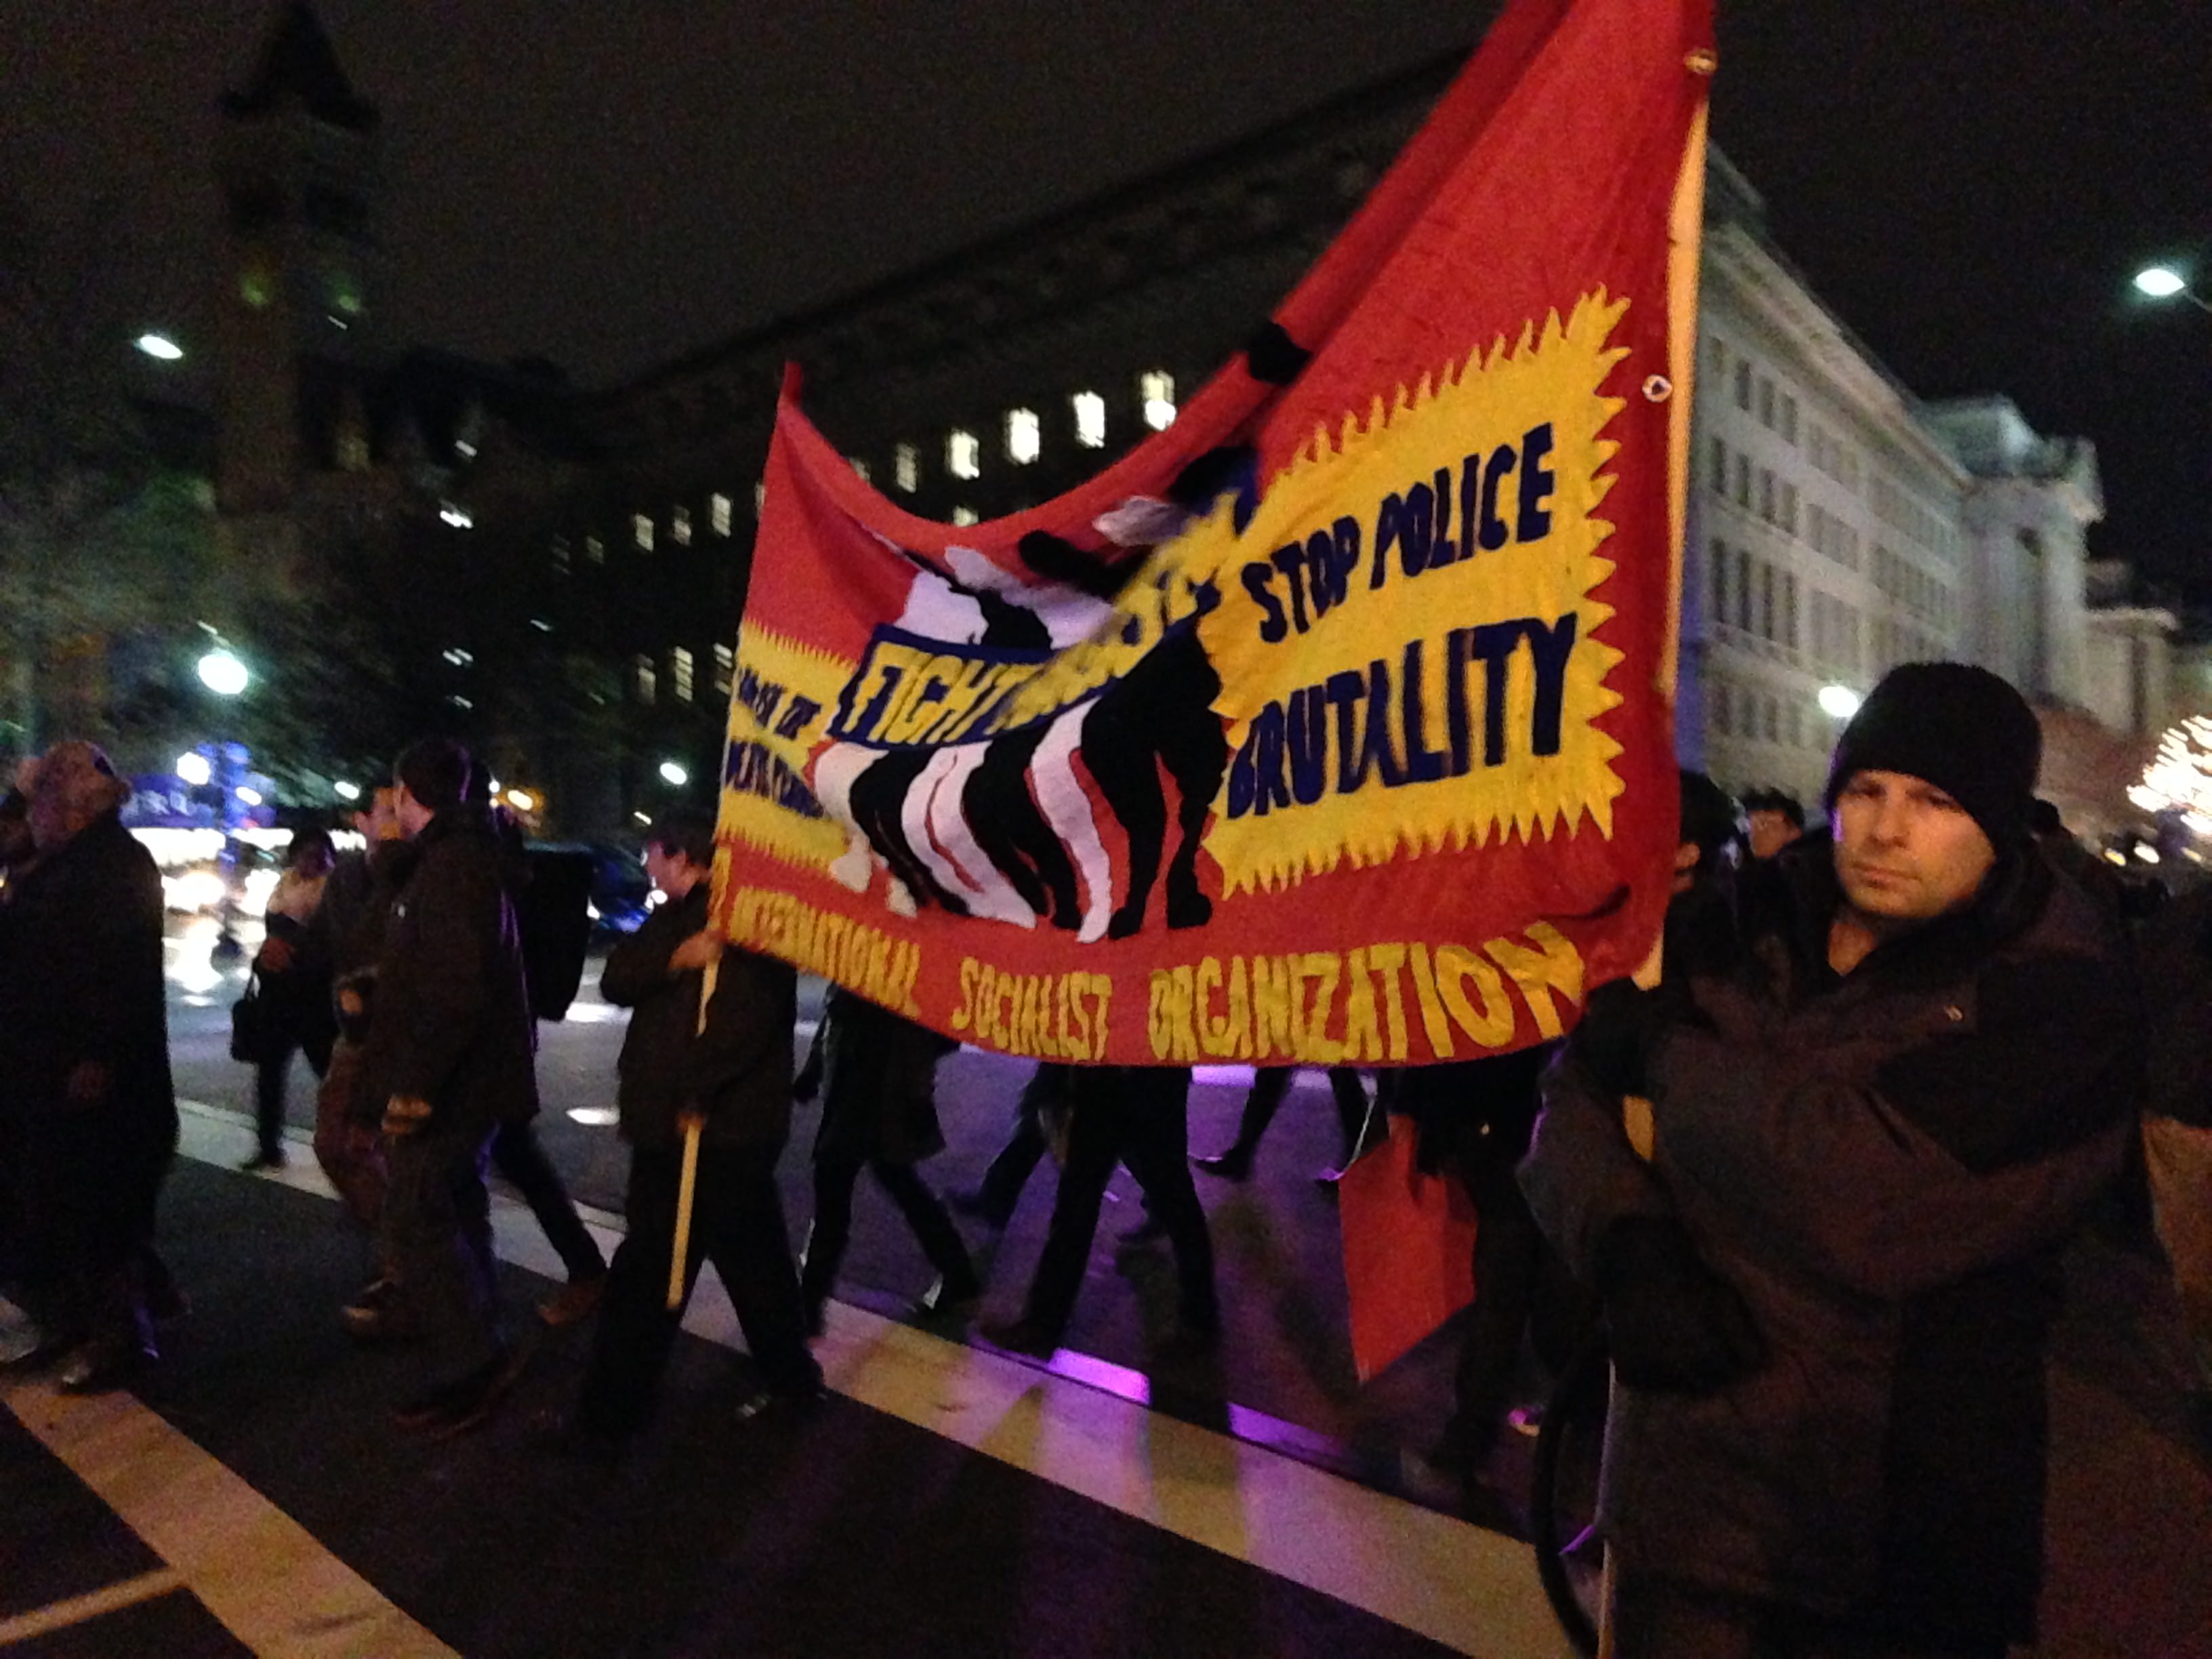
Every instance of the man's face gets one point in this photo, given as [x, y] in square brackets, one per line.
[1905, 850]
[1771, 831]
[670, 871]
[412, 816]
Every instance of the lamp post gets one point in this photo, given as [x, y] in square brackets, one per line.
[2165, 282]
[223, 673]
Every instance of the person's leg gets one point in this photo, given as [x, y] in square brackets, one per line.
[1508, 1256]
[939, 1239]
[637, 1329]
[517, 1155]
[271, 1075]
[437, 1233]
[1157, 1150]
[751, 1253]
[826, 1238]
[1269, 1085]
[351, 1153]
[1350, 1094]
[1001, 1188]
[2179, 1158]
[1660, 1619]
[1094, 1148]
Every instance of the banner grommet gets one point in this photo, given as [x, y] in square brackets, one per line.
[1657, 388]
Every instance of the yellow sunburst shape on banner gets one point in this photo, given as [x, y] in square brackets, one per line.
[1406, 637]
[784, 696]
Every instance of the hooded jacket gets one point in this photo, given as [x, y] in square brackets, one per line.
[1884, 1165]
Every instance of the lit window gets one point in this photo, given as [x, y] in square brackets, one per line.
[1155, 391]
[595, 550]
[906, 468]
[643, 677]
[1024, 438]
[964, 515]
[1089, 420]
[679, 672]
[679, 526]
[963, 454]
[641, 530]
[860, 467]
[561, 555]
[725, 670]
[718, 513]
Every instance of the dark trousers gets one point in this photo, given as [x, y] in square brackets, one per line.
[436, 1235]
[1270, 1084]
[1135, 1115]
[925, 1212]
[270, 1076]
[1010, 1170]
[736, 1224]
[1660, 1619]
[1509, 1255]
[516, 1154]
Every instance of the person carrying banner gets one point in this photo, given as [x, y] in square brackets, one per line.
[1882, 1098]
[1270, 1084]
[735, 1074]
[1136, 1116]
[876, 1074]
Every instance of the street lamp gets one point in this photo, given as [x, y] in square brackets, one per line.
[1839, 701]
[160, 347]
[223, 673]
[674, 775]
[2165, 282]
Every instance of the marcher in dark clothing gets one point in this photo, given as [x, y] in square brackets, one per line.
[735, 1078]
[295, 979]
[347, 934]
[450, 1054]
[1474, 1118]
[84, 1052]
[877, 1079]
[1270, 1084]
[993, 1198]
[1137, 1115]
[1880, 1101]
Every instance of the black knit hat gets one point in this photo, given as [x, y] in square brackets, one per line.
[1959, 727]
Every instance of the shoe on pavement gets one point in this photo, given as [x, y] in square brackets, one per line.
[1234, 1164]
[103, 1365]
[466, 1402]
[1149, 1230]
[780, 1402]
[264, 1159]
[576, 1300]
[950, 1296]
[1022, 1335]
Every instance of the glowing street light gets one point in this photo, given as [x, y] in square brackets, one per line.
[223, 673]
[2165, 282]
[194, 769]
[345, 791]
[673, 775]
[160, 347]
[522, 800]
[1839, 701]
[247, 797]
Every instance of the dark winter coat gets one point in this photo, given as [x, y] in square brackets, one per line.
[80, 981]
[451, 1024]
[877, 1075]
[2177, 966]
[738, 1073]
[1884, 1165]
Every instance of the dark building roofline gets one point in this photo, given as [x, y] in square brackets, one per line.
[299, 62]
[1424, 81]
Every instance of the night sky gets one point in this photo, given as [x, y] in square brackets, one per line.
[1968, 183]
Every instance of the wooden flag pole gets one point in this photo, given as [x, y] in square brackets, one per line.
[693, 1124]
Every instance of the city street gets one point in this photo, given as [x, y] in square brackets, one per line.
[250, 1495]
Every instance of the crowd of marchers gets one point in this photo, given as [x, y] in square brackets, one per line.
[1810, 1187]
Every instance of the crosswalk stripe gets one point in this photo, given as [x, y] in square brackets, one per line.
[251, 1564]
[59, 1615]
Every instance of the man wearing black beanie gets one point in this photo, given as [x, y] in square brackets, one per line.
[1881, 1098]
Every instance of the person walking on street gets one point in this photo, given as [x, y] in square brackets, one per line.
[295, 989]
[876, 1073]
[733, 1077]
[84, 1052]
[449, 1054]
[1880, 1101]
[1137, 1115]
[1270, 1084]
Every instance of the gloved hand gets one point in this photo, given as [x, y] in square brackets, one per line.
[1674, 1324]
